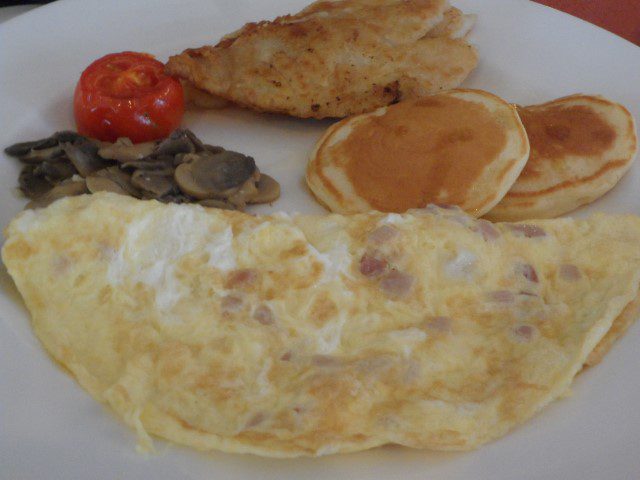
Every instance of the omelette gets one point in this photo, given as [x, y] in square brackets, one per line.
[461, 147]
[308, 335]
[335, 58]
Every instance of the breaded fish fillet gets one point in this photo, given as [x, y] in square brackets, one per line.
[454, 24]
[335, 59]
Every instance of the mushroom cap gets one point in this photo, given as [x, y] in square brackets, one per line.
[68, 188]
[268, 190]
[124, 150]
[84, 156]
[153, 184]
[207, 175]
[112, 179]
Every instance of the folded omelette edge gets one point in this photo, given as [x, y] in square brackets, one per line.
[285, 336]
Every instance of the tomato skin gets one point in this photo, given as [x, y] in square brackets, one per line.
[127, 94]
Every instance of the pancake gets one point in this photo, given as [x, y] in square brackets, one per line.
[461, 147]
[581, 146]
[309, 335]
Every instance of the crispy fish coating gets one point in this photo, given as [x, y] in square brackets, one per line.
[454, 24]
[333, 59]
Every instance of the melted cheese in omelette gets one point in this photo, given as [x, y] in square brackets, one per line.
[309, 335]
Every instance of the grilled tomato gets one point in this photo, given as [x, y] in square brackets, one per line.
[127, 94]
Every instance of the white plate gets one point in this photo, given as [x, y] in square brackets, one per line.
[50, 428]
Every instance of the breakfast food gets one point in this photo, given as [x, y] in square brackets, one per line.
[310, 335]
[462, 147]
[178, 169]
[337, 58]
[127, 94]
[581, 146]
[617, 330]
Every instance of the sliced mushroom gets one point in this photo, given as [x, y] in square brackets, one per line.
[114, 180]
[177, 142]
[68, 136]
[180, 169]
[185, 158]
[84, 156]
[154, 184]
[199, 146]
[246, 192]
[24, 148]
[69, 188]
[43, 155]
[189, 157]
[214, 175]
[124, 150]
[55, 172]
[163, 164]
[268, 190]
[176, 197]
[213, 203]
[104, 184]
[32, 185]
[213, 148]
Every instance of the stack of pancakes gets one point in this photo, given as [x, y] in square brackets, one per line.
[472, 149]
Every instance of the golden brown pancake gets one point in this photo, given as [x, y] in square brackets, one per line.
[462, 147]
[581, 146]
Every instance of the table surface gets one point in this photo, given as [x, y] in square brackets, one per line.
[621, 17]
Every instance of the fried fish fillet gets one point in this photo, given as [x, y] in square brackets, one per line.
[454, 24]
[310, 335]
[335, 59]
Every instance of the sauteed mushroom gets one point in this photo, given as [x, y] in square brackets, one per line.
[54, 171]
[84, 156]
[32, 185]
[114, 180]
[24, 149]
[179, 169]
[219, 175]
[268, 190]
[157, 185]
[124, 150]
[178, 142]
[162, 164]
[68, 188]
[213, 203]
